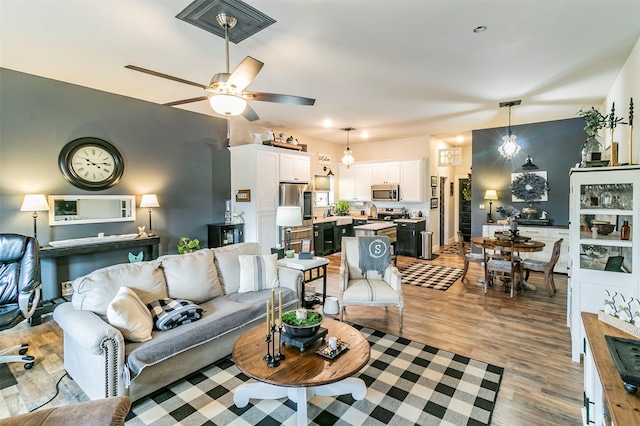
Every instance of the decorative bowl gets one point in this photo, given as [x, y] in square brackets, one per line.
[305, 330]
[604, 228]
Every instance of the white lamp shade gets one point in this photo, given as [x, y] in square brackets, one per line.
[34, 203]
[289, 216]
[491, 194]
[227, 104]
[149, 200]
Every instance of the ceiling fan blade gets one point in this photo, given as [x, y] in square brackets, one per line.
[245, 73]
[187, 101]
[276, 97]
[167, 76]
[250, 114]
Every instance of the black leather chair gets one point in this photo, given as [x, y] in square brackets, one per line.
[19, 289]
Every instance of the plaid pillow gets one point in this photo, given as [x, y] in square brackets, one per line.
[171, 313]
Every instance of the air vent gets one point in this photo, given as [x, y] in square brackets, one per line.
[202, 14]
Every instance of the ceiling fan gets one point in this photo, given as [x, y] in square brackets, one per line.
[228, 95]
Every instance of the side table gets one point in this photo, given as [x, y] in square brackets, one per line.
[309, 266]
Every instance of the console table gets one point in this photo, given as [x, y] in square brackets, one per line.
[149, 247]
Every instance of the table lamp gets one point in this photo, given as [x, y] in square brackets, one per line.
[34, 203]
[490, 195]
[289, 216]
[150, 201]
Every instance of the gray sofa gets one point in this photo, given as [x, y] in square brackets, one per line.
[103, 363]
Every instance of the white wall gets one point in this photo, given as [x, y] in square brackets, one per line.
[627, 85]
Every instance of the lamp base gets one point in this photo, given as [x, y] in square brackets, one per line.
[290, 254]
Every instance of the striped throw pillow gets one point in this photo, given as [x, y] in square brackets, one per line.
[258, 272]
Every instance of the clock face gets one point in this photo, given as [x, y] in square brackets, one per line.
[91, 163]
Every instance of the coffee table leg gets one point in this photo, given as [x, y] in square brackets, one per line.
[356, 387]
[259, 390]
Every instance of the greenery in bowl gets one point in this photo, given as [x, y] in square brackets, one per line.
[187, 245]
[313, 318]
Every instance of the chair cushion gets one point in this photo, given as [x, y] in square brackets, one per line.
[369, 291]
[94, 292]
[474, 257]
[533, 263]
[499, 265]
[192, 276]
[258, 272]
[127, 313]
[229, 266]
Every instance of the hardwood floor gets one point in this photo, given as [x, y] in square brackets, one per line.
[527, 335]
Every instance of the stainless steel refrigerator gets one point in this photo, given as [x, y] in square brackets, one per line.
[297, 194]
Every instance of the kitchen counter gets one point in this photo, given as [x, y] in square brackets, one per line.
[375, 226]
[410, 220]
[340, 220]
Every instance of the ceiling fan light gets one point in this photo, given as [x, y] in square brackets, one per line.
[228, 105]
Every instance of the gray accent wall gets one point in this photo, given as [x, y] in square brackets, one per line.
[179, 155]
[555, 147]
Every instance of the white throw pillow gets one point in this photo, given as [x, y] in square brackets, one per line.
[258, 272]
[192, 276]
[127, 313]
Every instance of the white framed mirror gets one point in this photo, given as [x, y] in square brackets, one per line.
[79, 209]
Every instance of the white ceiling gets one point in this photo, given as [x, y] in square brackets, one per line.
[393, 68]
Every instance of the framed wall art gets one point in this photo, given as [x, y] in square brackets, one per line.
[434, 203]
[529, 187]
[434, 180]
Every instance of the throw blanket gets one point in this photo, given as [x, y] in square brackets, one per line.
[374, 254]
[171, 313]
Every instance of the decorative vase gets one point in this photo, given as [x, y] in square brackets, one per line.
[591, 149]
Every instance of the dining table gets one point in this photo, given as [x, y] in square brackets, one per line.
[519, 246]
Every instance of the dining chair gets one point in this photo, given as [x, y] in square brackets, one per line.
[467, 257]
[529, 265]
[501, 261]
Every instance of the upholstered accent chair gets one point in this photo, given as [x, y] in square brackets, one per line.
[467, 257]
[546, 268]
[370, 288]
[19, 289]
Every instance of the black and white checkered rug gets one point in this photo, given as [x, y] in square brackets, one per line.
[430, 276]
[408, 383]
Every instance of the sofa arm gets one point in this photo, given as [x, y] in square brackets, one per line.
[393, 277]
[94, 352]
[85, 327]
[293, 279]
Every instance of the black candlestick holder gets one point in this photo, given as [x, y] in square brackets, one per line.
[272, 360]
[279, 356]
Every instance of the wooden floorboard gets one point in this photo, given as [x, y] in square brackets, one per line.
[527, 335]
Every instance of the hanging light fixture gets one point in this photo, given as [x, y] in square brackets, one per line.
[528, 165]
[348, 159]
[509, 147]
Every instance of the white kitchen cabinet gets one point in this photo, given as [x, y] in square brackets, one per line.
[295, 168]
[256, 168]
[354, 183]
[546, 234]
[385, 173]
[606, 262]
[413, 181]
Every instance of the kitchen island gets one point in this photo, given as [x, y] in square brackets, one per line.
[385, 228]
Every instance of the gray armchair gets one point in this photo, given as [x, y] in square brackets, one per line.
[19, 289]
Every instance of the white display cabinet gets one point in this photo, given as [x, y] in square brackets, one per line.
[599, 259]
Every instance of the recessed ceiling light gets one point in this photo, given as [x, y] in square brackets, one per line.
[364, 135]
[480, 29]
[327, 123]
[459, 139]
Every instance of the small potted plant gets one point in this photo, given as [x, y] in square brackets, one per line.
[342, 208]
[187, 245]
[301, 322]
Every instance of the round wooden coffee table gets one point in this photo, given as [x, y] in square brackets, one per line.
[301, 375]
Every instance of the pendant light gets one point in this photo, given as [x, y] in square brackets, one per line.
[348, 159]
[509, 147]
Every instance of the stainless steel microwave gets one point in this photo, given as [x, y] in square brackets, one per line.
[385, 192]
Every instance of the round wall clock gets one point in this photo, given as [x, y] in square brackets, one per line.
[91, 163]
